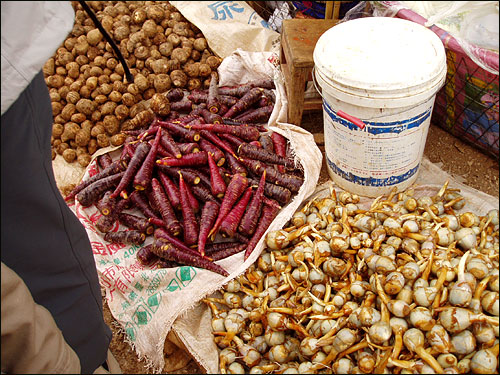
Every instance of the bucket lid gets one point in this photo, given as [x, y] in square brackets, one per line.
[380, 58]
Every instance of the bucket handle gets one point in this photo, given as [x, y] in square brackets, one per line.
[356, 121]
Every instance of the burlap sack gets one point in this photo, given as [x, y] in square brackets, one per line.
[147, 302]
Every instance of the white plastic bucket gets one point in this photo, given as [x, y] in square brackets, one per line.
[385, 72]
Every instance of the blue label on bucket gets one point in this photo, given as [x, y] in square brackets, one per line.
[371, 181]
[380, 127]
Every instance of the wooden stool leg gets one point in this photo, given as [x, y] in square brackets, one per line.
[296, 95]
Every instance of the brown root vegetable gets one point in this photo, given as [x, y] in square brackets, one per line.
[200, 44]
[162, 82]
[160, 105]
[179, 78]
[117, 139]
[82, 137]
[84, 160]
[70, 130]
[69, 155]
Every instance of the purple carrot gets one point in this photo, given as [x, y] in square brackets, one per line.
[266, 142]
[212, 137]
[232, 139]
[104, 160]
[169, 144]
[170, 252]
[188, 160]
[184, 105]
[209, 147]
[143, 176]
[105, 223]
[163, 234]
[231, 121]
[257, 115]
[106, 203]
[177, 130]
[235, 165]
[229, 225]
[162, 152]
[193, 115]
[250, 151]
[135, 163]
[175, 94]
[114, 168]
[188, 217]
[209, 214]
[245, 102]
[94, 191]
[218, 246]
[163, 263]
[128, 151]
[234, 190]
[189, 147]
[136, 222]
[197, 120]
[193, 202]
[217, 183]
[140, 201]
[242, 89]
[290, 181]
[203, 194]
[171, 190]
[145, 256]
[161, 201]
[279, 143]
[151, 131]
[276, 192]
[246, 132]
[222, 110]
[227, 100]
[226, 253]
[191, 176]
[198, 96]
[132, 237]
[249, 220]
[269, 212]
[210, 117]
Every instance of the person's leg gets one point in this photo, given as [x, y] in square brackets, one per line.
[42, 239]
[110, 367]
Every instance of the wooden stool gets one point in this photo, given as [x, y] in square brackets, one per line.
[298, 39]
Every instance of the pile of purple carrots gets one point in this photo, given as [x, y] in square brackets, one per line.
[206, 180]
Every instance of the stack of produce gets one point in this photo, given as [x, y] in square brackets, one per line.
[205, 184]
[90, 94]
[407, 285]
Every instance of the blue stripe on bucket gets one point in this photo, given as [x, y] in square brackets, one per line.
[370, 181]
[380, 127]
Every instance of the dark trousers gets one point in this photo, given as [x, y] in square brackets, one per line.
[42, 239]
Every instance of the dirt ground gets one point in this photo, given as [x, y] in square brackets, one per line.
[462, 161]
